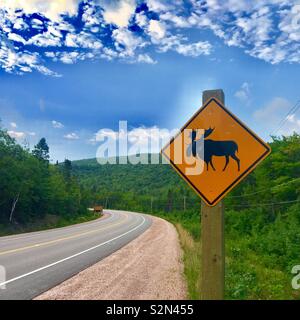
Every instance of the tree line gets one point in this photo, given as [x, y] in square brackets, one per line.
[31, 187]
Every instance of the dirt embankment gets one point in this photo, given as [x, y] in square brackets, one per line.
[149, 267]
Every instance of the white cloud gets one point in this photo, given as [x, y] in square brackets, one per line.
[294, 120]
[127, 42]
[145, 58]
[20, 24]
[50, 54]
[273, 116]
[156, 29]
[266, 29]
[141, 20]
[119, 12]
[142, 135]
[178, 21]
[157, 5]
[68, 57]
[146, 139]
[16, 134]
[83, 40]
[105, 133]
[290, 23]
[194, 49]
[244, 92]
[15, 37]
[46, 39]
[253, 26]
[273, 109]
[13, 125]
[57, 124]
[52, 9]
[71, 136]
[21, 62]
[178, 44]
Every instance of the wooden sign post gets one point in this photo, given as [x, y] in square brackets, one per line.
[212, 237]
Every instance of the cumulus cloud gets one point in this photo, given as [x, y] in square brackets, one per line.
[52, 9]
[118, 12]
[126, 42]
[266, 29]
[273, 116]
[156, 29]
[105, 133]
[244, 92]
[16, 134]
[179, 44]
[57, 124]
[140, 139]
[274, 109]
[194, 49]
[293, 122]
[71, 136]
[33, 32]
[145, 58]
[19, 62]
[292, 118]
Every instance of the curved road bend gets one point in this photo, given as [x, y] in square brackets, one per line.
[38, 261]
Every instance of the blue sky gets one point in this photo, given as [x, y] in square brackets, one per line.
[71, 68]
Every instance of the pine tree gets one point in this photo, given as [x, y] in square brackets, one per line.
[41, 150]
[67, 169]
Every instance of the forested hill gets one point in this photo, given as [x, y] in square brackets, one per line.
[136, 186]
[142, 179]
[273, 182]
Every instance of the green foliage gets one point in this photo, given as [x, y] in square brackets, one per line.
[37, 188]
[47, 222]
[41, 150]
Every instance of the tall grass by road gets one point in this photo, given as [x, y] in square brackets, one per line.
[192, 261]
[257, 265]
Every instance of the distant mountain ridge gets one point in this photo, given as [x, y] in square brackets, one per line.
[153, 179]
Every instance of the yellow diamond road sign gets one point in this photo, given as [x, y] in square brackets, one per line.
[214, 151]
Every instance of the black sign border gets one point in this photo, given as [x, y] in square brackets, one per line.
[239, 178]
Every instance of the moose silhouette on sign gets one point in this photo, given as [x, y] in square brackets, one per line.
[212, 148]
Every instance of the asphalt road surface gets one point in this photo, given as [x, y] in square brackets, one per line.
[35, 262]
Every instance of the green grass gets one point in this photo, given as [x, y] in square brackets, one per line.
[252, 272]
[192, 261]
[188, 228]
[49, 222]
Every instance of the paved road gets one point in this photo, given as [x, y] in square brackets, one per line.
[35, 262]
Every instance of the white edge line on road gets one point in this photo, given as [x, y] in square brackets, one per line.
[70, 257]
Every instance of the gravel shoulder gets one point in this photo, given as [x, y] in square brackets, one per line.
[149, 268]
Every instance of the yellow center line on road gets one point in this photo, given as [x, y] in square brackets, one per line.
[37, 245]
[32, 234]
[74, 255]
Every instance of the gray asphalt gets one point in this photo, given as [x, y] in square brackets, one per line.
[37, 261]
